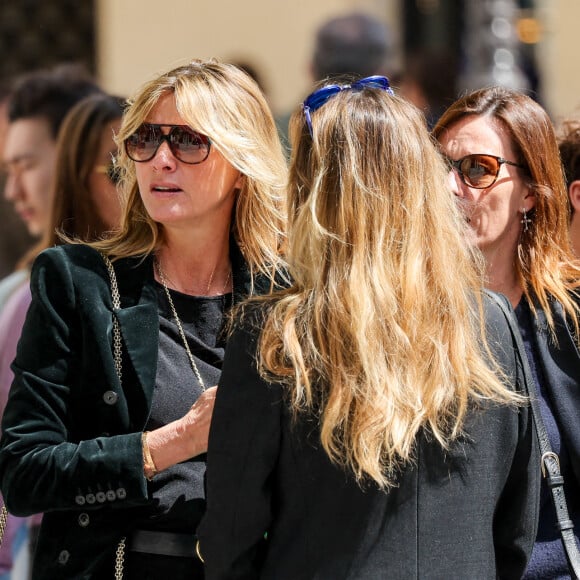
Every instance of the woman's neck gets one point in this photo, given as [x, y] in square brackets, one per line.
[501, 275]
[196, 265]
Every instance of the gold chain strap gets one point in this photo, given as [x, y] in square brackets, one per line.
[3, 519]
[117, 353]
[116, 330]
[120, 560]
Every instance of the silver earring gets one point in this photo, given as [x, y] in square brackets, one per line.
[526, 221]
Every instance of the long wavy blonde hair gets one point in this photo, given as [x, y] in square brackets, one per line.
[381, 334]
[544, 261]
[224, 103]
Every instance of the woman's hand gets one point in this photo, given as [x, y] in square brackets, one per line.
[185, 438]
[197, 420]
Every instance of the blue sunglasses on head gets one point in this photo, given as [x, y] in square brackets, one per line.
[315, 100]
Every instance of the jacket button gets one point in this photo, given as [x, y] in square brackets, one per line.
[101, 497]
[90, 497]
[80, 500]
[111, 495]
[63, 557]
[84, 520]
[121, 493]
[110, 397]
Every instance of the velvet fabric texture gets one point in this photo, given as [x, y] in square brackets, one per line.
[71, 443]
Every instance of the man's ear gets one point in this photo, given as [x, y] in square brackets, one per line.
[574, 192]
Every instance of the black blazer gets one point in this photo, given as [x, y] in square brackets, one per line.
[470, 513]
[71, 443]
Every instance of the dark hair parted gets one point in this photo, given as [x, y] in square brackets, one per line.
[50, 94]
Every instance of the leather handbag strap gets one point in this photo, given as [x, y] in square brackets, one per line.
[550, 461]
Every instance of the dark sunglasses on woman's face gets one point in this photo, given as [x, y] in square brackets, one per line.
[185, 144]
[479, 170]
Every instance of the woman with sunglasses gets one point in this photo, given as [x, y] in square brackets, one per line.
[375, 439]
[107, 423]
[507, 176]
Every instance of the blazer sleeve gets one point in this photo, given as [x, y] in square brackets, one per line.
[44, 464]
[243, 449]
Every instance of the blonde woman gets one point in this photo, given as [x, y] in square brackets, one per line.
[375, 441]
[507, 174]
[107, 423]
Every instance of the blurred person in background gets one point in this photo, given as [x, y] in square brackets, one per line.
[506, 174]
[14, 237]
[37, 105]
[38, 102]
[356, 44]
[109, 410]
[85, 205]
[569, 145]
[359, 430]
[428, 80]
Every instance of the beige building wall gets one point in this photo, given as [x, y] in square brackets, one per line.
[137, 39]
[559, 54]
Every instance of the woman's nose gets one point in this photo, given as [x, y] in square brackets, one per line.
[164, 157]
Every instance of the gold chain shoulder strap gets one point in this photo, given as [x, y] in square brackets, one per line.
[117, 353]
[3, 519]
[116, 297]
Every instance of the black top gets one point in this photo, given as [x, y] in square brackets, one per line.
[179, 490]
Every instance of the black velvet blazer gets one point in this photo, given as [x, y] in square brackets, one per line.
[71, 443]
[469, 513]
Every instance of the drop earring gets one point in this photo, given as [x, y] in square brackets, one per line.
[526, 221]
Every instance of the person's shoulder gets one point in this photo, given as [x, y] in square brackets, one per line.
[73, 255]
[500, 326]
[496, 309]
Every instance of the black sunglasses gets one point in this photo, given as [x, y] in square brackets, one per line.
[185, 144]
[479, 170]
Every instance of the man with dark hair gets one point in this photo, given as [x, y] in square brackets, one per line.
[37, 105]
[14, 238]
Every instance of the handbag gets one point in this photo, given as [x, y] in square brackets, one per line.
[118, 359]
[550, 461]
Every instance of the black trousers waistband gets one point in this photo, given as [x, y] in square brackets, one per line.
[163, 543]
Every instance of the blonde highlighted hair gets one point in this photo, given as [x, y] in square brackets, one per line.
[224, 103]
[381, 334]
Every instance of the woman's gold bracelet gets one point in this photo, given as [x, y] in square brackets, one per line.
[148, 463]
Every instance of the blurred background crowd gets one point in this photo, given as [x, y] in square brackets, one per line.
[433, 50]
